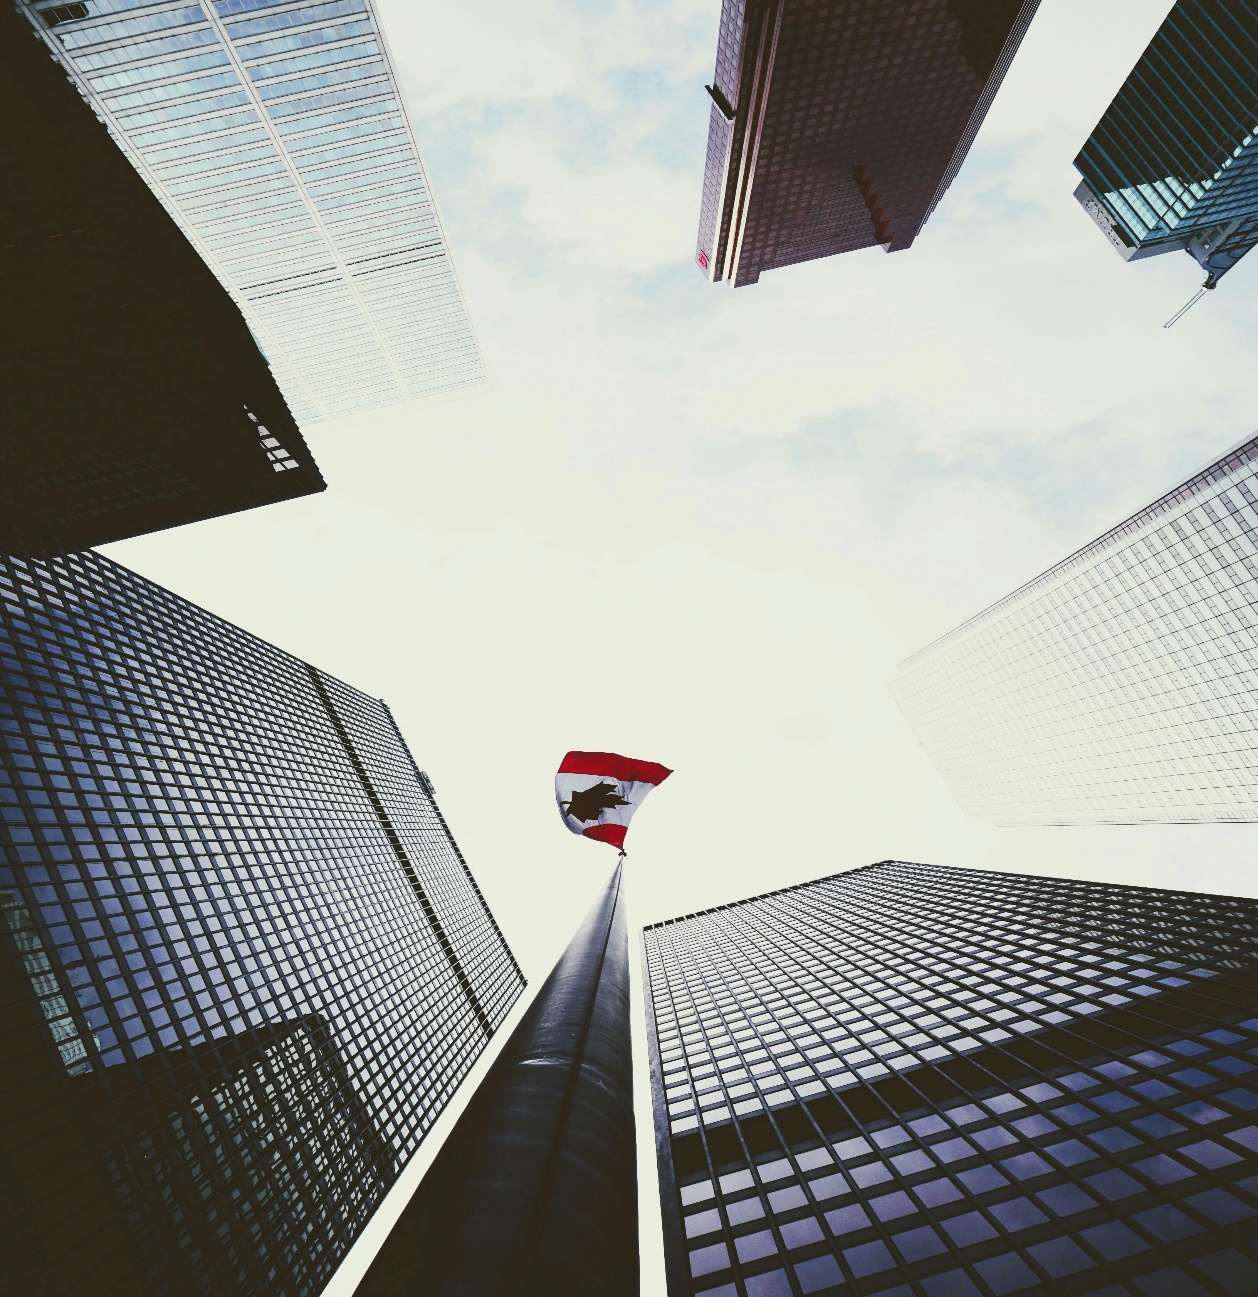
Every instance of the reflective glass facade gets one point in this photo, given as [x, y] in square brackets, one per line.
[927, 1082]
[276, 134]
[243, 964]
[840, 124]
[1173, 164]
[1120, 686]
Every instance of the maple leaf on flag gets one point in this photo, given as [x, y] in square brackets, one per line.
[590, 803]
[598, 793]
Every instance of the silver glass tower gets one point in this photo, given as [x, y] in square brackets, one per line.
[275, 133]
[1120, 685]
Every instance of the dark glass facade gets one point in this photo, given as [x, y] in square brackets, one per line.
[1173, 164]
[913, 1080]
[840, 124]
[244, 963]
[134, 396]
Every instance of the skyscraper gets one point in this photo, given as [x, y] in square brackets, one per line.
[133, 396]
[244, 966]
[277, 136]
[839, 124]
[1173, 164]
[1118, 686]
[910, 1080]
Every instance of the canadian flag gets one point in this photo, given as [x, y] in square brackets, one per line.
[598, 793]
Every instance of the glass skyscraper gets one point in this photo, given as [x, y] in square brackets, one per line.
[1121, 685]
[840, 125]
[1173, 164]
[154, 407]
[927, 1082]
[243, 966]
[275, 133]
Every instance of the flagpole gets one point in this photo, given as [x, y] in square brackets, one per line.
[534, 1194]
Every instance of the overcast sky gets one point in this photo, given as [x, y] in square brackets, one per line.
[700, 525]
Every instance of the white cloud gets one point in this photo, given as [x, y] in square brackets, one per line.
[486, 52]
[607, 212]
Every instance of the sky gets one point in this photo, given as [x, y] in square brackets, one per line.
[700, 525]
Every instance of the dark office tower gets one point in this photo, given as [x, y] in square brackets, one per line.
[839, 124]
[1173, 164]
[132, 394]
[534, 1193]
[927, 1082]
[243, 966]
[268, 1126]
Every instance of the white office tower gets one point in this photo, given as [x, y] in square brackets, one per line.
[1120, 686]
[276, 136]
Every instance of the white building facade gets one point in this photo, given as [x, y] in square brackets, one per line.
[1120, 686]
[276, 135]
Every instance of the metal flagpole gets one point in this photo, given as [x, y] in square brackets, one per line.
[534, 1193]
[1192, 301]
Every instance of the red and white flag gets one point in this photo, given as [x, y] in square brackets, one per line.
[598, 793]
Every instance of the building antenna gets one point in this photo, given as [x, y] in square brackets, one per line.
[1190, 303]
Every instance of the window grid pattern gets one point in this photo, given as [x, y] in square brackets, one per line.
[271, 1106]
[276, 136]
[1119, 686]
[156, 408]
[190, 860]
[1017, 1085]
[851, 120]
[1176, 154]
